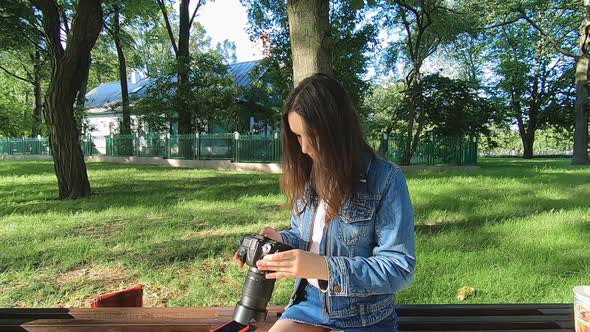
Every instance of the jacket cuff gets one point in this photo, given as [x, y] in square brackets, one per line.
[324, 284]
[288, 239]
[337, 284]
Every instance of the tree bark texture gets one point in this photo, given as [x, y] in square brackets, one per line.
[580, 155]
[68, 70]
[309, 28]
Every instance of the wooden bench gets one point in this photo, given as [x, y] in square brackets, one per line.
[489, 317]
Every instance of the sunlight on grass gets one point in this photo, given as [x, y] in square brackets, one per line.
[515, 230]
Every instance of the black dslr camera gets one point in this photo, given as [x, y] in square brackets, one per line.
[257, 289]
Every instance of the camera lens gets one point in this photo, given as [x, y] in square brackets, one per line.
[255, 296]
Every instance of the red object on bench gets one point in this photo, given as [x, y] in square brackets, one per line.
[131, 297]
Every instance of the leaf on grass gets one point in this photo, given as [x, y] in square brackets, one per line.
[465, 292]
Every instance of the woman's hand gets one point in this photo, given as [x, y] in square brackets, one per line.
[294, 263]
[237, 260]
[270, 233]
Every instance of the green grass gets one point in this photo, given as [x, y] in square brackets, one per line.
[517, 231]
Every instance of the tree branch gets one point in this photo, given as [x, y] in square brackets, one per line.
[168, 27]
[14, 75]
[554, 42]
[190, 24]
[51, 26]
[64, 17]
[502, 24]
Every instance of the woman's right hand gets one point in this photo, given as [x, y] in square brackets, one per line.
[270, 233]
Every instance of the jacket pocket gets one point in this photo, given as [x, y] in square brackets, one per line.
[356, 217]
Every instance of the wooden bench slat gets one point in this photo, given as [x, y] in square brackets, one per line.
[492, 317]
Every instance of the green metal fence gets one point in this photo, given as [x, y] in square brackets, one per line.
[245, 148]
[36, 146]
[429, 151]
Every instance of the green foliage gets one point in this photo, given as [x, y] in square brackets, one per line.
[351, 40]
[152, 52]
[423, 26]
[104, 66]
[14, 119]
[455, 109]
[227, 49]
[383, 109]
[451, 107]
[506, 141]
[211, 97]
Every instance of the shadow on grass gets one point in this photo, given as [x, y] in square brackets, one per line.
[38, 198]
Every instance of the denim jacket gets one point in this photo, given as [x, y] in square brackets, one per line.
[369, 246]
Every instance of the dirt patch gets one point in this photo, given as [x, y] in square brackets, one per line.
[94, 273]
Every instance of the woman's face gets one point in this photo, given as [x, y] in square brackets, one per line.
[298, 128]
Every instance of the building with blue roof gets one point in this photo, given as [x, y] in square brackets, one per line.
[104, 115]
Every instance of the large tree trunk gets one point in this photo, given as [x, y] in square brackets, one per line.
[35, 131]
[527, 142]
[580, 155]
[69, 66]
[309, 28]
[185, 123]
[183, 63]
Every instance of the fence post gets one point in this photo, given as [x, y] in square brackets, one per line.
[385, 146]
[136, 145]
[236, 146]
[168, 145]
[38, 144]
[474, 152]
[197, 146]
[112, 145]
[275, 145]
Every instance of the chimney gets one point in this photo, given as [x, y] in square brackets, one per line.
[265, 38]
[135, 76]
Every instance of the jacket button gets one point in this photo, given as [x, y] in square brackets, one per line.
[337, 289]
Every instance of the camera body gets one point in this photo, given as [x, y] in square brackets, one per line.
[257, 289]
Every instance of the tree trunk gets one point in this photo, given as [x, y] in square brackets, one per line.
[185, 123]
[35, 131]
[527, 142]
[183, 63]
[580, 155]
[69, 67]
[126, 147]
[414, 83]
[126, 125]
[309, 28]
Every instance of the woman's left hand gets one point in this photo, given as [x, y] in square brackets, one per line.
[294, 263]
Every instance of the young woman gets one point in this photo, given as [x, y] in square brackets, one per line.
[352, 221]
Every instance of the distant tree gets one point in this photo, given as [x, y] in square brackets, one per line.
[425, 26]
[121, 14]
[24, 55]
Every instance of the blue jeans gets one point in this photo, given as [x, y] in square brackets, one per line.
[309, 311]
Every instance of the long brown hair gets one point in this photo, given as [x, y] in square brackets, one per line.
[335, 133]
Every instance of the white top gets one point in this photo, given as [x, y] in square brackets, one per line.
[316, 234]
